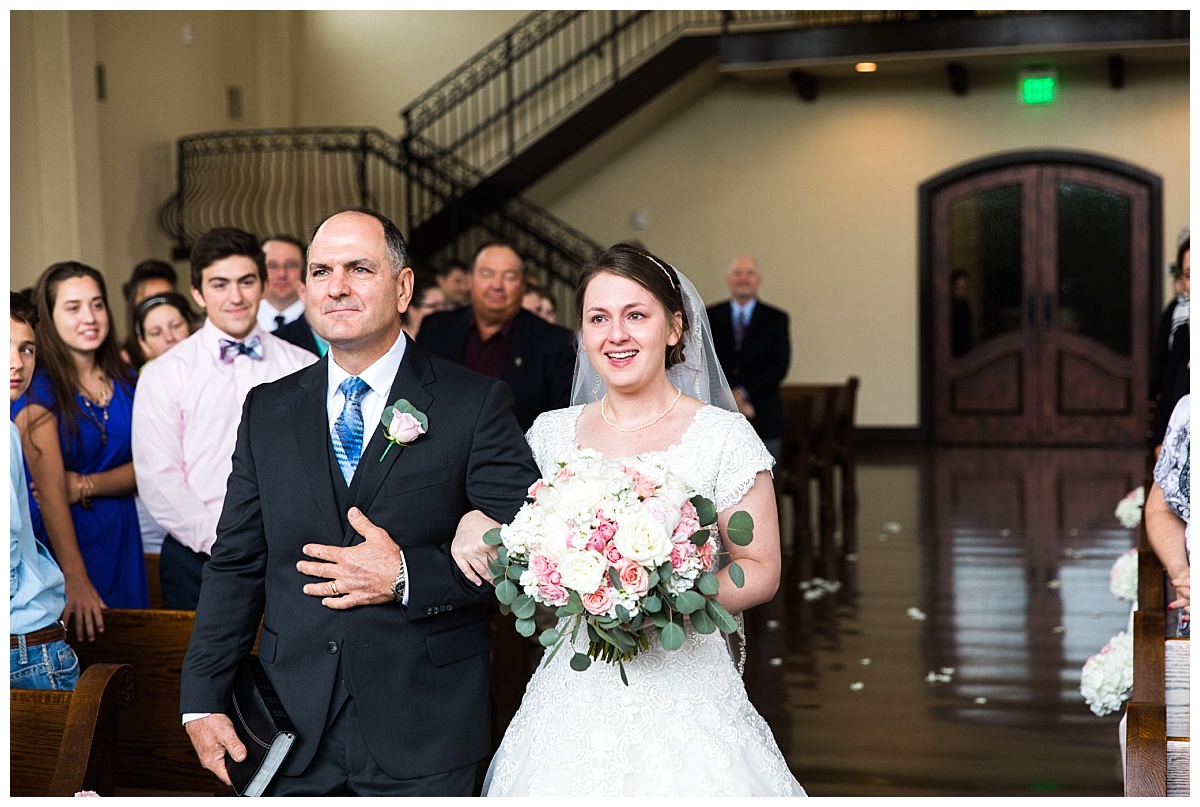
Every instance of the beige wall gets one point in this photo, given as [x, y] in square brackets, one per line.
[825, 195]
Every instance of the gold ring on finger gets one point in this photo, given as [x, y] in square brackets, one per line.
[333, 585]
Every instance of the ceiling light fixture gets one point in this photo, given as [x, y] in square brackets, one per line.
[866, 67]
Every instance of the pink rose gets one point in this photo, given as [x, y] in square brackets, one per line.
[542, 567]
[599, 601]
[634, 579]
[563, 474]
[689, 522]
[602, 535]
[535, 487]
[643, 485]
[554, 594]
[404, 428]
[612, 554]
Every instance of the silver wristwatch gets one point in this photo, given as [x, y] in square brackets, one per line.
[401, 585]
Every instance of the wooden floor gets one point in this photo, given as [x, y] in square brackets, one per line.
[988, 568]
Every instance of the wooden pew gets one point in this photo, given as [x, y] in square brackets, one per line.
[63, 742]
[1157, 754]
[153, 752]
[153, 581]
[819, 444]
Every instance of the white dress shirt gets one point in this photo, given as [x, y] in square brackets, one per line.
[268, 312]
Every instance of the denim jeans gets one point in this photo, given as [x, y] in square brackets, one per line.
[44, 666]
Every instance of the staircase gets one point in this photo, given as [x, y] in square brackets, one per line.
[473, 142]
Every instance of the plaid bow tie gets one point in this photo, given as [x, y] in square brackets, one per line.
[230, 349]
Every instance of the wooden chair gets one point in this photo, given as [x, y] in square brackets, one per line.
[153, 751]
[843, 437]
[63, 742]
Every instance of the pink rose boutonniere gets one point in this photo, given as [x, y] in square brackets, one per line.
[402, 423]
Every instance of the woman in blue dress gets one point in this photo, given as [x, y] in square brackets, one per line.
[75, 421]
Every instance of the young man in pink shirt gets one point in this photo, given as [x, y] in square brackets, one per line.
[189, 403]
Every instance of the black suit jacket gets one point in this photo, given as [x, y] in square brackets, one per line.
[541, 358]
[299, 334]
[762, 363]
[419, 673]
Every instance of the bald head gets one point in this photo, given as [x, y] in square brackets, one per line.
[743, 278]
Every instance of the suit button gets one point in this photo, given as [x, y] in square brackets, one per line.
[428, 610]
[448, 607]
[331, 647]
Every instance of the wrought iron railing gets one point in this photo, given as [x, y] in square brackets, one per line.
[281, 180]
[285, 180]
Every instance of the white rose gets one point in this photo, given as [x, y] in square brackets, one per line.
[674, 491]
[643, 539]
[555, 531]
[578, 496]
[582, 571]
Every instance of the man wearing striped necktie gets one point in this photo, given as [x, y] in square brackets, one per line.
[338, 540]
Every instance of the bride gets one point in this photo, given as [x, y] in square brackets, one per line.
[647, 382]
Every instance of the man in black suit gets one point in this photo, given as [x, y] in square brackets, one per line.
[495, 336]
[374, 641]
[754, 348]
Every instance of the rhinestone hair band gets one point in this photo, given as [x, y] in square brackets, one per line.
[143, 308]
[670, 279]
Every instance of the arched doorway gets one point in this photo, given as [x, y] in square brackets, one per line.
[1037, 300]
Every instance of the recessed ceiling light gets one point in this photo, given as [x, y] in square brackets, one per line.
[866, 67]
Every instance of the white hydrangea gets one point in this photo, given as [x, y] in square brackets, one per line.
[1123, 579]
[1106, 680]
[1129, 509]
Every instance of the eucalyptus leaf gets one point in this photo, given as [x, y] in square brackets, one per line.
[524, 606]
[708, 584]
[526, 627]
[700, 537]
[621, 667]
[653, 604]
[492, 537]
[702, 622]
[689, 602]
[654, 578]
[672, 637]
[580, 662]
[740, 529]
[623, 614]
[549, 636]
[506, 592]
[737, 575]
[720, 616]
[660, 619]
[514, 572]
[614, 577]
[705, 511]
[502, 554]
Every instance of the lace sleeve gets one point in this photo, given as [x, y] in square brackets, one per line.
[551, 434]
[742, 456]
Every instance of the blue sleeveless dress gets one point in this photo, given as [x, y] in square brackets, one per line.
[109, 537]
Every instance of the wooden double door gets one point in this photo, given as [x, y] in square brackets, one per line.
[1040, 304]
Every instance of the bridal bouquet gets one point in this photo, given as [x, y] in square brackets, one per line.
[1107, 677]
[1129, 509]
[620, 547]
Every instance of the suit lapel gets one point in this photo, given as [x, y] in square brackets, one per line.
[310, 426]
[414, 375]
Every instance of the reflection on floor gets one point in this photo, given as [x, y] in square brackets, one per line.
[942, 658]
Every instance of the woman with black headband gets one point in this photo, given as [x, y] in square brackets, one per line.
[161, 321]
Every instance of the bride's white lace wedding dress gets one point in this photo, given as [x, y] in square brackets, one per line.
[683, 726]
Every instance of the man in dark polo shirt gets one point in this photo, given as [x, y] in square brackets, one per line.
[495, 336]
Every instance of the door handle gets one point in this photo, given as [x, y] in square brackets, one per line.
[1031, 310]
[1048, 311]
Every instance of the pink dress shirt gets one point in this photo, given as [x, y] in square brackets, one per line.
[186, 412]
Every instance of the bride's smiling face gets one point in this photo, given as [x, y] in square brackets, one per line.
[626, 332]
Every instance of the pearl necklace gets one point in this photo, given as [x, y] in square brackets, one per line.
[603, 414]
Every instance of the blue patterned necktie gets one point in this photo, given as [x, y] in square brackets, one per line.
[348, 430]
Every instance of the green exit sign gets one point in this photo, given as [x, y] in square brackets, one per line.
[1038, 88]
